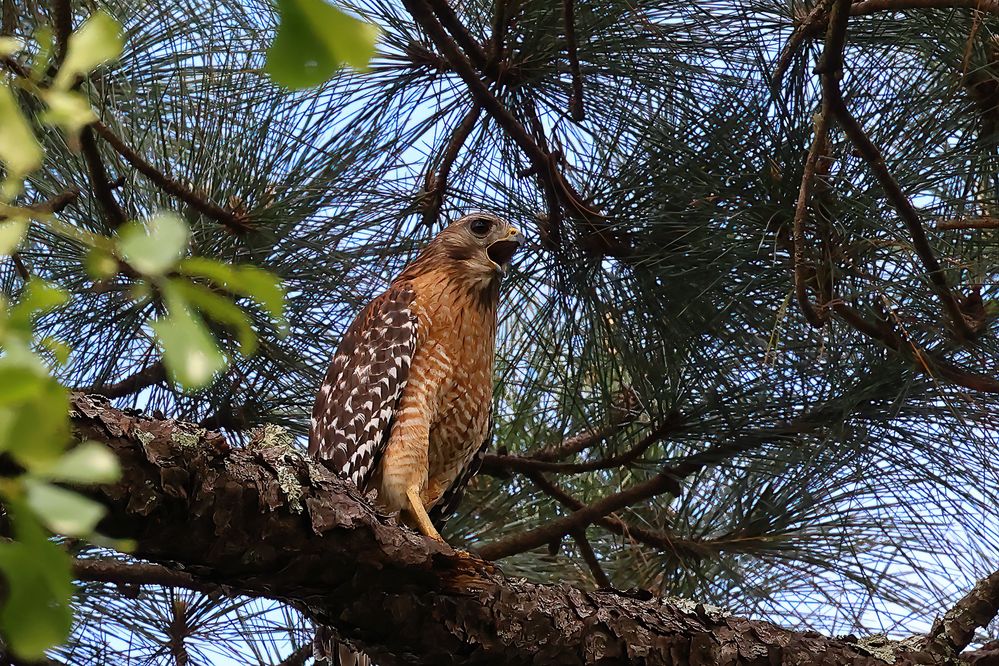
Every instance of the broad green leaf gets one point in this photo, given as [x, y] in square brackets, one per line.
[63, 511]
[265, 288]
[99, 40]
[11, 234]
[90, 462]
[156, 246]
[221, 310]
[18, 383]
[9, 46]
[190, 354]
[250, 281]
[35, 429]
[313, 40]
[36, 613]
[20, 151]
[69, 111]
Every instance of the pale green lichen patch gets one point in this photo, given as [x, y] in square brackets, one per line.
[887, 650]
[696, 607]
[186, 439]
[269, 436]
[144, 437]
[288, 482]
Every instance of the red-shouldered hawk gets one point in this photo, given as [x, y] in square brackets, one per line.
[405, 407]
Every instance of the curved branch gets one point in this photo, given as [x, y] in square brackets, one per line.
[266, 521]
[235, 222]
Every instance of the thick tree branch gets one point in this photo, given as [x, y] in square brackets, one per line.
[265, 521]
[956, 629]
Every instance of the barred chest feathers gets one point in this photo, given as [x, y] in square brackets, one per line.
[450, 387]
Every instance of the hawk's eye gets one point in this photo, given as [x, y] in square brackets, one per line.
[480, 226]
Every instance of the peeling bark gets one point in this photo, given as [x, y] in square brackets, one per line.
[264, 520]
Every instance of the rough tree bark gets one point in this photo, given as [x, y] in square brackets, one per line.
[263, 520]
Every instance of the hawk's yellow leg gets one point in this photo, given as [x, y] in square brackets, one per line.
[419, 514]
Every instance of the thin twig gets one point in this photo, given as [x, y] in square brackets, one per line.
[540, 159]
[586, 551]
[831, 69]
[495, 462]
[235, 222]
[436, 184]
[809, 25]
[62, 24]
[819, 142]
[658, 540]
[138, 573]
[873, 6]
[925, 361]
[666, 481]
[576, 110]
[970, 223]
[53, 205]
[449, 20]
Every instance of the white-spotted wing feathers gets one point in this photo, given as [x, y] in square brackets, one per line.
[357, 401]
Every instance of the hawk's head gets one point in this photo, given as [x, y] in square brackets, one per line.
[478, 247]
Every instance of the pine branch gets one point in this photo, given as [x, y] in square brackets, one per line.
[586, 551]
[151, 375]
[970, 223]
[100, 182]
[138, 573]
[576, 109]
[234, 222]
[268, 522]
[956, 629]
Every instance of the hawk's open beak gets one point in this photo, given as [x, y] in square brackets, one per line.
[501, 252]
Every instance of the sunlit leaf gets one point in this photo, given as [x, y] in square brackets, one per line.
[63, 511]
[250, 281]
[20, 151]
[98, 41]
[9, 46]
[99, 264]
[89, 462]
[34, 408]
[38, 298]
[59, 349]
[156, 246]
[222, 310]
[190, 354]
[313, 40]
[69, 111]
